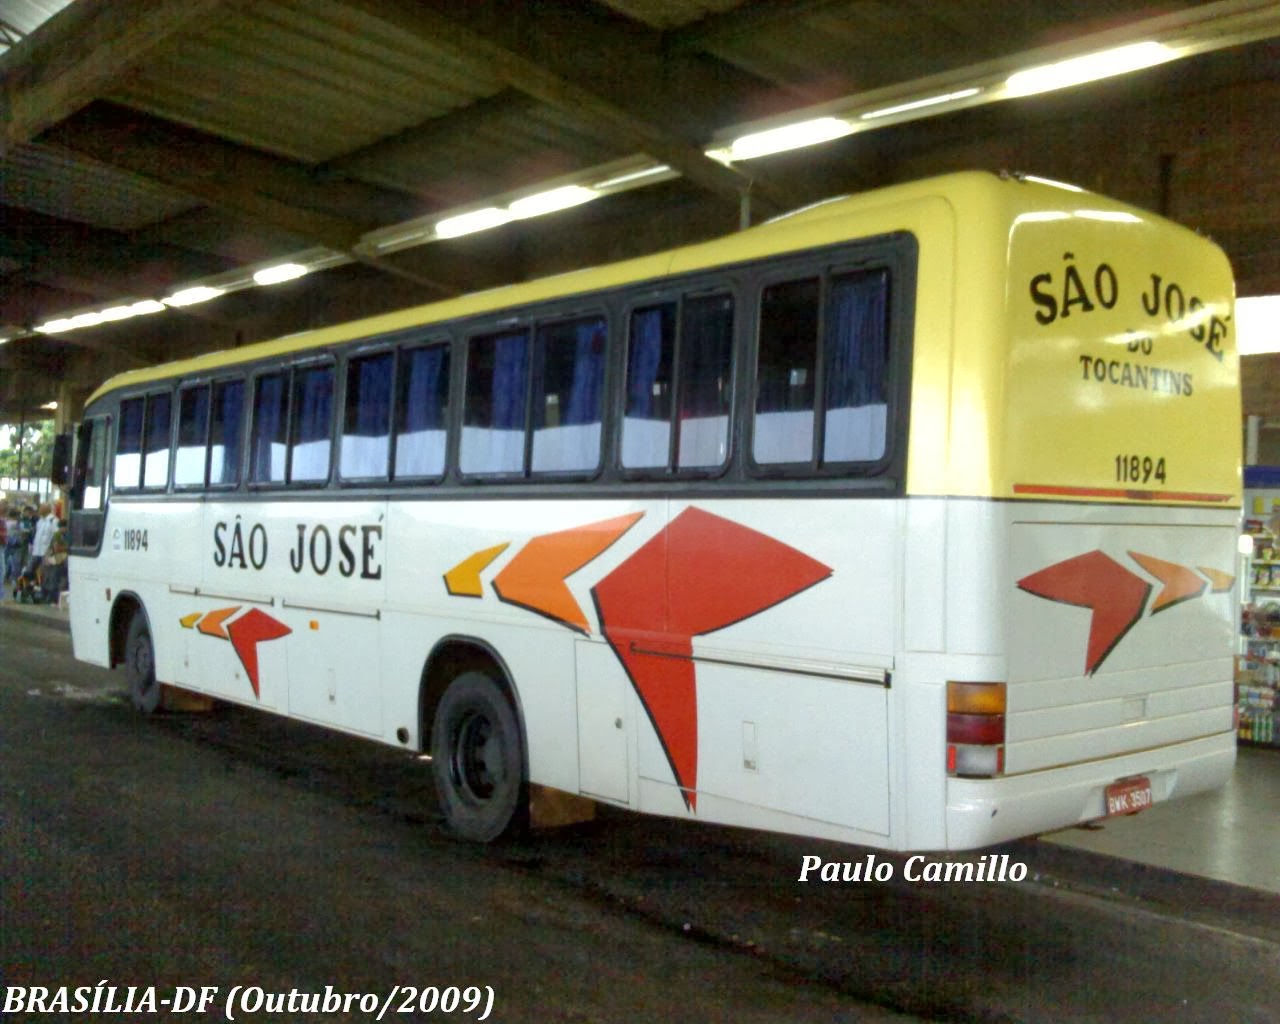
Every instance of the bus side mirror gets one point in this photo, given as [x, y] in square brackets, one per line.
[60, 470]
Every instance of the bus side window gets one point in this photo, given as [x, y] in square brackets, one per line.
[493, 429]
[366, 425]
[786, 367]
[706, 381]
[312, 428]
[270, 429]
[225, 433]
[856, 368]
[422, 410]
[128, 464]
[568, 381]
[646, 423]
[156, 442]
[193, 427]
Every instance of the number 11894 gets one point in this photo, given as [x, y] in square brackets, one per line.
[1139, 469]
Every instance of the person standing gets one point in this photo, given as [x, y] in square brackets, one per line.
[46, 526]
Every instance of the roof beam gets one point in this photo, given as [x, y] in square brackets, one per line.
[633, 132]
[707, 34]
[233, 178]
[79, 54]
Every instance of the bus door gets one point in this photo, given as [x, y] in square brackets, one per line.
[89, 490]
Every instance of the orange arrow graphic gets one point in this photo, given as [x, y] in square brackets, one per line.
[1180, 583]
[535, 578]
[211, 624]
[463, 580]
[1220, 581]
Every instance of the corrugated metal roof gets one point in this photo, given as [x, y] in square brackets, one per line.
[306, 79]
[73, 188]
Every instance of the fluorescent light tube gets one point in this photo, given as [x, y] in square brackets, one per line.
[779, 140]
[1089, 68]
[552, 200]
[190, 296]
[278, 273]
[466, 223]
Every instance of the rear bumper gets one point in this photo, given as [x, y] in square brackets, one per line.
[981, 812]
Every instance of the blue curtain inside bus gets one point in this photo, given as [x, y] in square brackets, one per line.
[366, 435]
[224, 432]
[497, 393]
[312, 423]
[424, 397]
[155, 465]
[269, 430]
[193, 423]
[128, 463]
[646, 428]
[570, 378]
[857, 350]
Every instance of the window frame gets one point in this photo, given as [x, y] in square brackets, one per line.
[895, 255]
[435, 339]
[531, 322]
[728, 283]
[288, 370]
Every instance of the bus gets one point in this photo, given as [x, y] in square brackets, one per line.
[907, 520]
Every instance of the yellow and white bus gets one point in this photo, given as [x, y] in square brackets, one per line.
[907, 520]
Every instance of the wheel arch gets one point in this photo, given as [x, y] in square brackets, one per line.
[126, 605]
[449, 658]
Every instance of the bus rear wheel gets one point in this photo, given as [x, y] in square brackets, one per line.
[478, 760]
[140, 665]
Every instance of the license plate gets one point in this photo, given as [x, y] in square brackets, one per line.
[1129, 796]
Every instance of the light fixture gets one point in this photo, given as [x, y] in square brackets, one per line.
[779, 140]
[467, 223]
[280, 272]
[50, 406]
[190, 296]
[633, 177]
[551, 201]
[1088, 68]
[928, 101]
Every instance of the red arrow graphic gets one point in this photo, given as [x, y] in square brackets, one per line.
[1093, 580]
[700, 574]
[247, 632]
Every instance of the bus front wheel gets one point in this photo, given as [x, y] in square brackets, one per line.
[140, 665]
[478, 759]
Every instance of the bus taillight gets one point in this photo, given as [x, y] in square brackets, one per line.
[975, 728]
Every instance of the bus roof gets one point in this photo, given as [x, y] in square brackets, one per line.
[818, 224]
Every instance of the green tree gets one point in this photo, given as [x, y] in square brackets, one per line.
[35, 442]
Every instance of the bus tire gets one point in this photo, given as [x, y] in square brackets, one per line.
[478, 760]
[140, 665]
